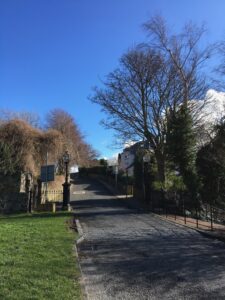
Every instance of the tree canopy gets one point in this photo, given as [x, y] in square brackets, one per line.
[152, 81]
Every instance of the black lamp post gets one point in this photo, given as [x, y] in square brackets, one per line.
[126, 182]
[145, 161]
[29, 184]
[66, 184]
[127, 166]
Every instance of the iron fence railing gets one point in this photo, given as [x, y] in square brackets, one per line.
[172, 204]
[204, 215]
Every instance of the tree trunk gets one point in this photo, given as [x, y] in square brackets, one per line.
[160, 160]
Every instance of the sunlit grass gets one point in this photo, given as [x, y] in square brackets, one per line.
[37, 260]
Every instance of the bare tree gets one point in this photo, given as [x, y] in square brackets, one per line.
[136, 98]
[62, 121]
[23, 148]
[29, 117]
[183, 50]
[220, 68]
[151, 82]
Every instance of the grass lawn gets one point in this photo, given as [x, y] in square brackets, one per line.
[37, 260]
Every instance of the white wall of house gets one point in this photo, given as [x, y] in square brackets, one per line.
[74, 169]
[127, 159]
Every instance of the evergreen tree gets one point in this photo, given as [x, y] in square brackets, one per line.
[150, 170]
[211, 168]
[181, 149]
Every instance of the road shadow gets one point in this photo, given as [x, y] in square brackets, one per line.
[195, 271]
[93, 185]
[155, 262]
[91, 208]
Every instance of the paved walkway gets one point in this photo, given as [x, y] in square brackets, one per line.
[131, 255]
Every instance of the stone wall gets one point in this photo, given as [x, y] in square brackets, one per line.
[11, 199]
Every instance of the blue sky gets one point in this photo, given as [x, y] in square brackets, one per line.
[53, 52]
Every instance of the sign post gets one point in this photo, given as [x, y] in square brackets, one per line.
[116, 175]
[47, 174]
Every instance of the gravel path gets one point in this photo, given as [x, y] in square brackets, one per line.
[131, 255]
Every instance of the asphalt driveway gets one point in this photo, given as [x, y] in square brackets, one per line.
[127, 254]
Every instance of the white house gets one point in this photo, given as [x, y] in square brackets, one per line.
[126, 158]
[207, 112]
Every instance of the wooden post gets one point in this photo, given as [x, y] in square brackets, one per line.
[53, 207]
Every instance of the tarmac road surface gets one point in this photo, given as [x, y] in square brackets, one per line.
[128, 254]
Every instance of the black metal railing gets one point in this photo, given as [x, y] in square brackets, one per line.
[204, 215]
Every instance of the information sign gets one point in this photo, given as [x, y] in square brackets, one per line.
[48, 173]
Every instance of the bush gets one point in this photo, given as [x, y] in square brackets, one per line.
[99, 170]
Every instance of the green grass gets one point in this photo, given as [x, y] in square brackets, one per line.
[37, 260]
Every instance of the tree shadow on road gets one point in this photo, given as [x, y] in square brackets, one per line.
[92, 208]
[92, 185]
[167, 268]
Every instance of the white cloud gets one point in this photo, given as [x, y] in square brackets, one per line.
[129, 143]
[208, 113]
[213, 107]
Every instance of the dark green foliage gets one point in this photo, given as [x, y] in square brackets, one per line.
[149, 168]
[103, 162]
[181, 150]
[100, 170]
[138, 169]
[181, 141]
[173, 182]
[211, 168]
[124, 179]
